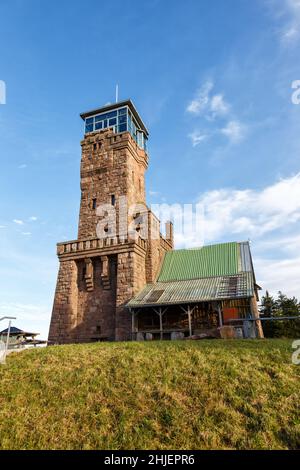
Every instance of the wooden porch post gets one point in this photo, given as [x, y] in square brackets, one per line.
[189, 312]
[220, 315]
[190, 320]
[133, 313]
[161, 324]
[255, 314]
[160, 313]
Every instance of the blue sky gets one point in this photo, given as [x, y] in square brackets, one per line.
[213, 82]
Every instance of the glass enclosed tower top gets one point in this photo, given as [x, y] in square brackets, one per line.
[121, 117]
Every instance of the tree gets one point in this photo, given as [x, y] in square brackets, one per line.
[283, 306]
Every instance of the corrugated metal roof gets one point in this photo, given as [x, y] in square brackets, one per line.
[195, 290]
[208, 261]
[244, 257]
[222, 271]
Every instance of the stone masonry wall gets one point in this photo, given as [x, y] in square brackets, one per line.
[96, 308]
[111, 165]
[131, 278]
[64, 315]
[91, 293]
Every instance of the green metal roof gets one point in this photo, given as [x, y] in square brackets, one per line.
[214, 272]
[195, 290]
[208, 261]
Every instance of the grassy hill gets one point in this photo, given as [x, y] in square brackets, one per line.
[155, 395]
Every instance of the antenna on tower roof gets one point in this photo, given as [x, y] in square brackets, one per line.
[117, 93]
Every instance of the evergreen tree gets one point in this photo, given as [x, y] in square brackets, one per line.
[283, 306]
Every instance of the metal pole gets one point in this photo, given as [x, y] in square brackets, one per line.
[7, 339]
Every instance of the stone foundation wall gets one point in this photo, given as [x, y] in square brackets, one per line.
[96, 308]
[131, 278]
[64, 314]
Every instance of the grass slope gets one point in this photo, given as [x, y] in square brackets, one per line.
[155, 395]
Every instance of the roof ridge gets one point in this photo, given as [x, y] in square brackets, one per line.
[196, 248]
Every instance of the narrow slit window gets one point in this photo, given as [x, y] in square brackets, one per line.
[94, 204]
[113, 200]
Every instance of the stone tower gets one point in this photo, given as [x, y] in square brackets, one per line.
[119, 247]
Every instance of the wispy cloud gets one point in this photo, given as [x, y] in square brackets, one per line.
[33, 218]
[21, 167]
[204, 102]
[27, 234]
[154, 193]
[234, 130]
[287, 15]
[201, 100]
[196, 138]
[18, 222]
[217, 115]
[291, 31]
[219, 106]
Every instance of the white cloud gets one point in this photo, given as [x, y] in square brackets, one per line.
[26, 233]
[214, 108]
[234, 130]
[154, 193]
[218, 105]
[196, 138]
[201, 100]
[250, 212]
[33, 218]
[287, 13]
[292, 31]
[21, 167]
[275, 275]
[2, 226]
[18, 222]
[270, 217]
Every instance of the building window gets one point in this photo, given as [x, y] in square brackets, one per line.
[95, 147]
[94, 204]
[113, 199]
[122, 120]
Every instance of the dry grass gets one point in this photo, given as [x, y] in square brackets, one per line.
[169, 395]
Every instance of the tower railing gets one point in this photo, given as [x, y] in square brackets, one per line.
[76, 246]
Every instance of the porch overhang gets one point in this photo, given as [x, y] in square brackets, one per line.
[193, 291]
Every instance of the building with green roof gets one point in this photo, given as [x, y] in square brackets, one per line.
[121, 278]
[198, 290]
